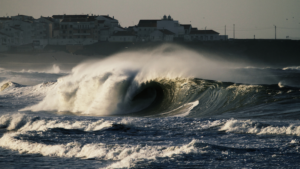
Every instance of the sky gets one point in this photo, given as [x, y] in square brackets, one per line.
[250, 17]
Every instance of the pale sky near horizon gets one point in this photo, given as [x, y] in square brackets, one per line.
[251, 17]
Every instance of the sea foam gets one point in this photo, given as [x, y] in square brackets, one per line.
[259, 128]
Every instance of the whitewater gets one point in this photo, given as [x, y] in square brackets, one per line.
[168, 107]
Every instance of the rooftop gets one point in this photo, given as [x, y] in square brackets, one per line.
[147, 23]
[108, 17]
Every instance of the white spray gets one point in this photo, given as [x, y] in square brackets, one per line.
[105, 87]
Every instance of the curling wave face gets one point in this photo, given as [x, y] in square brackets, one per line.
[124, 84]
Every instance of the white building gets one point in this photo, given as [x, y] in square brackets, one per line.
[123, 36]
[23, 29]
[162, 35]
[24, 24]
[74, 29]
[48, 26]
[171, 25]
[39, 30]
[106, 26]
[20, 36]
[145, 28]
[95, 27]
[16, 35]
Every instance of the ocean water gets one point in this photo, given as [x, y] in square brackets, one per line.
[151, 109]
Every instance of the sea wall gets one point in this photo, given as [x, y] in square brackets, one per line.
[253, 52]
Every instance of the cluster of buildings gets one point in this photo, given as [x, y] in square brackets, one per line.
[88, 29]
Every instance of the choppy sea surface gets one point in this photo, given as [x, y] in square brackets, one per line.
[131, 111]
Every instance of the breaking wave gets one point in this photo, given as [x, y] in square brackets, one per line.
[259, 128]
[292, 68]
[120, 86]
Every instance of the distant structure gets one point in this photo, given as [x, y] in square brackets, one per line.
[159, 30]
[22, 30]
[64, 29]
[83, 29]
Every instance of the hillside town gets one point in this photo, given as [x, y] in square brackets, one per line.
[20, 30]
